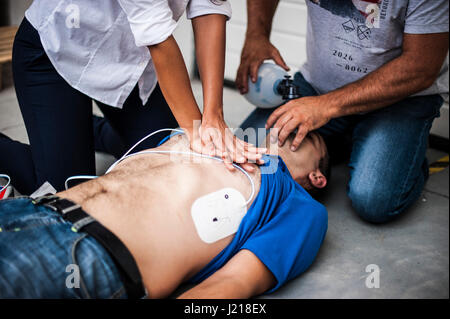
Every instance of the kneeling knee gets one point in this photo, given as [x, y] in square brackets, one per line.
[372, 205]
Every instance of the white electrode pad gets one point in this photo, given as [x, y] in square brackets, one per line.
[219, 214]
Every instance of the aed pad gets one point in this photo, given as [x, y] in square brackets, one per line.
[219, 214]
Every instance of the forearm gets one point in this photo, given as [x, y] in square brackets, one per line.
[414, 71]
[218, 288]
[257, 46]
[244, 276]
[391, 83]
[210, 34]
[174, 82]
[260, 16]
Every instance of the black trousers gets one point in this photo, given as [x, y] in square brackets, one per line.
[62, 131]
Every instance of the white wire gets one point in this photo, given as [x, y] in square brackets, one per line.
[126, 155]
[198, 155]
[150, 135]
[7, 183]
[66, 183]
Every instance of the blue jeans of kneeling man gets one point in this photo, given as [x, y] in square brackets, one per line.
[385, 150]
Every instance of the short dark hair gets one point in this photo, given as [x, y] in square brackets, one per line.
[324, 166]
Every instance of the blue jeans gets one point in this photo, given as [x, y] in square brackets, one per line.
[385, 150]
[39, 255]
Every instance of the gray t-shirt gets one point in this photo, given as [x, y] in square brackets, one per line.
[347, 39]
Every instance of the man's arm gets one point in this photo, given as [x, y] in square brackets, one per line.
[242, 277]
[415, 70]
[257, 47]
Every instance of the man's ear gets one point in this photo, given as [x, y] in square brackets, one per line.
[317, 179]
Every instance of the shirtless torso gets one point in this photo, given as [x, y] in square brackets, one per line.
[146, 202]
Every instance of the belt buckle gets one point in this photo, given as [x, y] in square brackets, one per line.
[45, 200]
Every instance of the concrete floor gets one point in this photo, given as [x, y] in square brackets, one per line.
[412, 252]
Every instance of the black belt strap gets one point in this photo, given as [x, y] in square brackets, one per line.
[123, 259]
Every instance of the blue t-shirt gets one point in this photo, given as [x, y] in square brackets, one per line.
[284, 227]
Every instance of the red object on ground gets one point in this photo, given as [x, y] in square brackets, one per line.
[2, 193]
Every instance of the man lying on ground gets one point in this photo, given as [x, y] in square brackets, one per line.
[136, 231]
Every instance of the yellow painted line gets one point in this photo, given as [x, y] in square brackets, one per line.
[439, 165]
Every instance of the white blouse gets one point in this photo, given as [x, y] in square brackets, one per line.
[100, 47]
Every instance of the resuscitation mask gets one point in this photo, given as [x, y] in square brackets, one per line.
[273, 87]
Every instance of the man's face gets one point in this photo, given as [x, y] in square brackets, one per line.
[303, 164]
[310, 152]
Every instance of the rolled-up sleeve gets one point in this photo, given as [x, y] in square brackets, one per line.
[202, 7]
[151, 21]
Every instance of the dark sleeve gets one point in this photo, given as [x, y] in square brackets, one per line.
[288, 244]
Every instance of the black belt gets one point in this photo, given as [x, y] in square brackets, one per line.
[123, 259]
